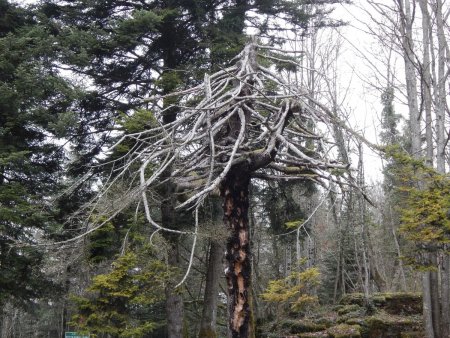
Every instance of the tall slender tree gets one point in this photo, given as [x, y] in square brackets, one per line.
[33, 97]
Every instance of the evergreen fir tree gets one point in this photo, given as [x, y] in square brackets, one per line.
[32, 99]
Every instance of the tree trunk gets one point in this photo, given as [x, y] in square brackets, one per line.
[209, 314]
[174, 299]
[427, 308]
[446, 296]
[235, 193]
[8, 321]
[441, 141]
[65, 302]
[361, 204]
[399, 256]
[434, 292]
[426, 80]
[426, 90]
[441, 93]
[410, 76]
[415, 129]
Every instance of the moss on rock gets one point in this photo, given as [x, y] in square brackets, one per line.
[300, 326]
[352, 299]
[348, 309]
[345, 331]
[393, 315]
[383, 325]
[320, 334]
[403, 303]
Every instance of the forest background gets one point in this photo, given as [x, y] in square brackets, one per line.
[75, 76]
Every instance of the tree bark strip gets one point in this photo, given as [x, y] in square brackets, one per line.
[235, 193]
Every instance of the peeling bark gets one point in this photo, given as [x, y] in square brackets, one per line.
[235, 192]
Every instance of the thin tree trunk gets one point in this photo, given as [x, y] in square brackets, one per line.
[276, 258]
[399, 257]
[364, 229]
[427, 310]
[65, 302]
[339, 250]
[414, 121]
[426, 80]
[174, 299]
[256, 240]
[446, 296]
[209, 315]
[235, 193]
[410, 75]
[434, 292]
[441, 93]
[7, 321]
[426, 90]
[444, 313]
[337, 277]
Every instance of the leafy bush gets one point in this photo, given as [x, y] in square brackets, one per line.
[295, 292]
[118, 302]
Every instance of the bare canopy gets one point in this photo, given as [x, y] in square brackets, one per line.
[246, 113]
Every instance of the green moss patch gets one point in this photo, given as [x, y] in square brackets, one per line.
[320, 334]
[403, 303]
[300, 326]
[387, 325]
[392, 315]
[345, 331]
[349, 309]
[352, 299]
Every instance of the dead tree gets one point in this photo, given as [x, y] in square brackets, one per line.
[242, 122]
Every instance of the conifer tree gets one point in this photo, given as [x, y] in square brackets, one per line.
[33, 99]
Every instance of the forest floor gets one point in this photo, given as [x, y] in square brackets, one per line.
[384, 315]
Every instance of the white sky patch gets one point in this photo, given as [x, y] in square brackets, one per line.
[361, 66]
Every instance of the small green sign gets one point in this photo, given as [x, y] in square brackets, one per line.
[75, 335]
